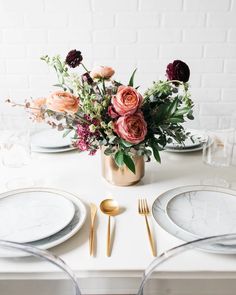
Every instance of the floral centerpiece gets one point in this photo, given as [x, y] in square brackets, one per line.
[101, 113]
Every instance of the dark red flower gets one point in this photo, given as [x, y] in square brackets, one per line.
[178, 70]
[87, 78]
[74, 58]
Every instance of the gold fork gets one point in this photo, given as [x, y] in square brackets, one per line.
[143, 210]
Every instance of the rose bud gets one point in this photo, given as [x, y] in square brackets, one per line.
[74, 58]
[178, 70]
[87, 78]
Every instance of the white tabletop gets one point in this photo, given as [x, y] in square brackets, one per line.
[80, 174]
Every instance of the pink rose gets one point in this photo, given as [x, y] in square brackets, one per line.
[36, 108]
[127, 100]
[102, 72]
[131, 128]
[112, 113]
[61, 101]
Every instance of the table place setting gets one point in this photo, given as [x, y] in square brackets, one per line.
[93, 112]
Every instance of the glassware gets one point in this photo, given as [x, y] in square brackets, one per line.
[15, 149]
[152, 277]
[218, 149]
[15, 256]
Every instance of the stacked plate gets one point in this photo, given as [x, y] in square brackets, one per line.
[194, 142]
[194, 212]
[42, 217]
[50, 141]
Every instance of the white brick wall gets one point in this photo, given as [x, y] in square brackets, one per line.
[125, 34]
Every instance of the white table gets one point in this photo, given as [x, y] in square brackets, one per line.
[121, 273]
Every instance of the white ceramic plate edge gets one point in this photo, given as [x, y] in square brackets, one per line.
[52, 151]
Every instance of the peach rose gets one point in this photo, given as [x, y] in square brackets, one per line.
[127, 100]
[36, 108]
[131, 128]
[61, 101]
[102, 72]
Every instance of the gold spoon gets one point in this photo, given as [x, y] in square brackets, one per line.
[111, 208]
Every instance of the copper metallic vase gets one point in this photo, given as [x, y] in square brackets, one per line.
[122, 176]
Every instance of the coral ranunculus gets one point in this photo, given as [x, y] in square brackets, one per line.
[127, 100]
[61, 101]
[178, 70]
[102, 72]
[131, 128]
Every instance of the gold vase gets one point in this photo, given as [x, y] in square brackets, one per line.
[122, 176]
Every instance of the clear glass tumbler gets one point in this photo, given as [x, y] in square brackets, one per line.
[15, 149]
[218, 149]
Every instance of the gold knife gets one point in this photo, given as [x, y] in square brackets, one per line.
[93, 212]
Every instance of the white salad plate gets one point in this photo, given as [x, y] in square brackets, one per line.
[28, 216]
[62, 235]
[50, 139]
[193, 143]
[52, 151]
[194, 212]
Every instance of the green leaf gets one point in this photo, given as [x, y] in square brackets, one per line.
[58, 85]
[176, 120]
[173, 107]
[155, 150]
[131, 80]
[182, 111]
[129, 163]
[126, 143]
[119, 158]
[108, 151]
[67, 132]
[161, 113]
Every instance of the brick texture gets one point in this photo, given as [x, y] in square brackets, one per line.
[147, 34]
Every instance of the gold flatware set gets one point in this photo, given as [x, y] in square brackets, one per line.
[110, 207]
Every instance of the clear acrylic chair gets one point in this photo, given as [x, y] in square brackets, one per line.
[27, 270]
[146, 286]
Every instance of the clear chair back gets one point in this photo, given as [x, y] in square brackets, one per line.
[154, 275]
[27, 270]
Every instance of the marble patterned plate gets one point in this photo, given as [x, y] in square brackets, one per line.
[63, 235]
[27, 216]
[165, 211]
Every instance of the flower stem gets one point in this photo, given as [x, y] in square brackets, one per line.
[85, 68]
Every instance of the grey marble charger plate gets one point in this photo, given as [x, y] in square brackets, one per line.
[67, 232]
[183, 224]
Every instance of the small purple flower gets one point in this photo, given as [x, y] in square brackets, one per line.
[82, 145]
[178, 70]
[74, 58]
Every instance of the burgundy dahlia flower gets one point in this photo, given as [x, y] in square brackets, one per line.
[178, 70]
[74, 58]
